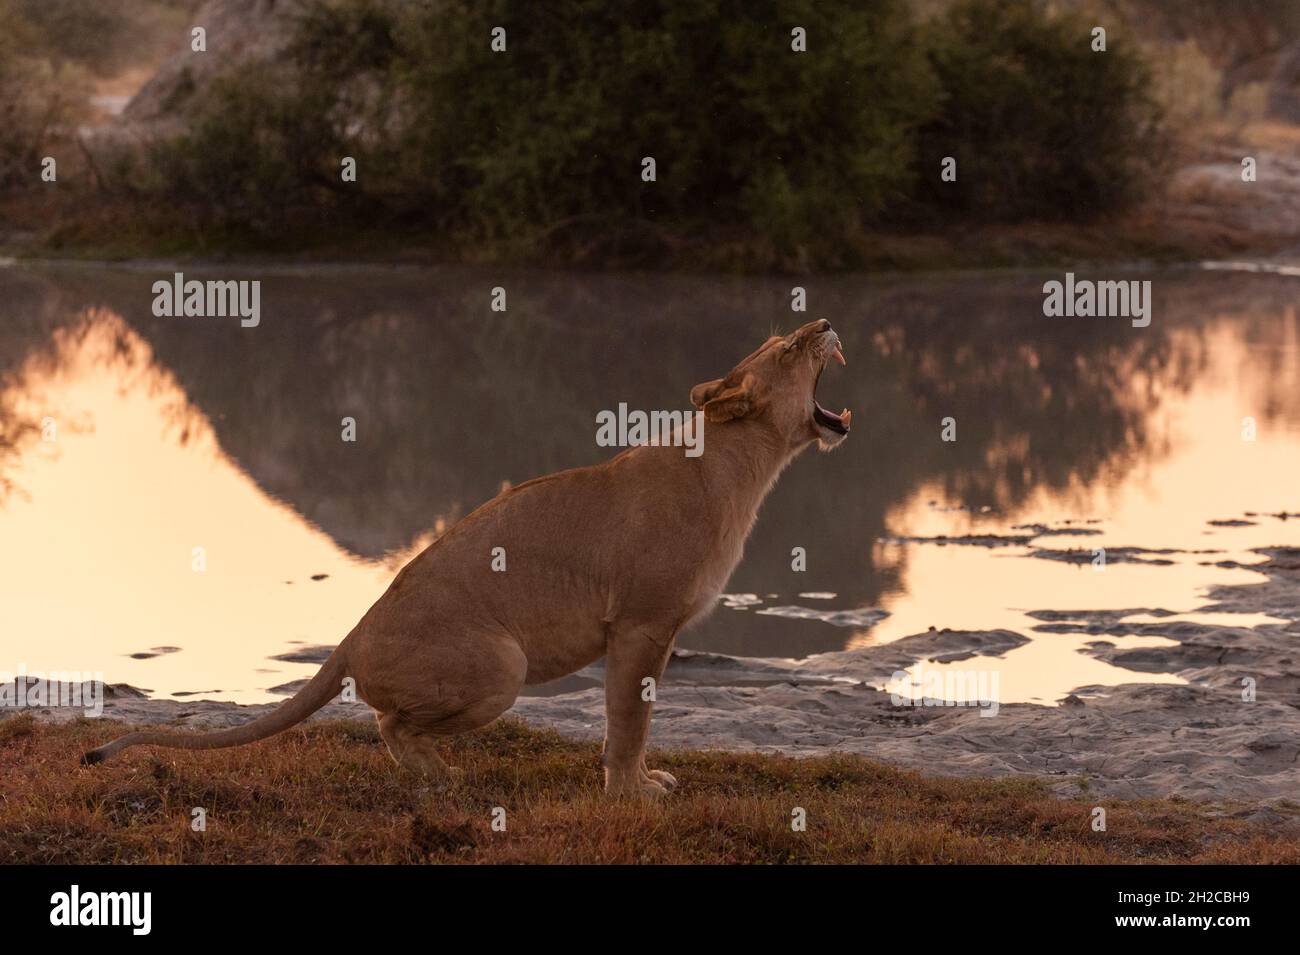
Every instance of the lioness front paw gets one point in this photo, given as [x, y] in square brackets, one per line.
[667, 780]
[638, 787]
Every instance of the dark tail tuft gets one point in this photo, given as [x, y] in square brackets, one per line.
[92, 757]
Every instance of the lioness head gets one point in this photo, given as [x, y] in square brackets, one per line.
[778, 384]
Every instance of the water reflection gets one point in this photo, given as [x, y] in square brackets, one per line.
[177, 433]
[100, 526]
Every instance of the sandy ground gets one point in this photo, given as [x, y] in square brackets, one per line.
[1202, 740]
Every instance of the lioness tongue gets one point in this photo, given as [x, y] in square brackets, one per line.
[842, 419]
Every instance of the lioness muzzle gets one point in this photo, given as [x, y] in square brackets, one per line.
[610, 560]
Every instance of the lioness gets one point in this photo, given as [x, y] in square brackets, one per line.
[610, 560]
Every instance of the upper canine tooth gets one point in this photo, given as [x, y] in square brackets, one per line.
[839, 356]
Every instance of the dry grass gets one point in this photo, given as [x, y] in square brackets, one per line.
[329, 793]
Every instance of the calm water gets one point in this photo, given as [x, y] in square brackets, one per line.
[172, 434]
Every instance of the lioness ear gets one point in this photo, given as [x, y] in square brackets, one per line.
[703, 392]
[730, 403]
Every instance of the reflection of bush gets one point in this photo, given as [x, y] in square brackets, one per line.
[451, 400]
[540, 149]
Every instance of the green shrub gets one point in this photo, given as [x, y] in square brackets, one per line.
[39, 101]
[745, 132]
[258, 149]
[795, 156]
[1041, 126]
[798, 148]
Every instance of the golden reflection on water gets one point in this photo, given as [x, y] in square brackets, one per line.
[1207, 473]
[100, 525]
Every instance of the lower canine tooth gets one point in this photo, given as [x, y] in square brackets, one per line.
[846, 416]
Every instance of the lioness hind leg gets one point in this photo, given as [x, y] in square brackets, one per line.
[415, 750]
[475, 684]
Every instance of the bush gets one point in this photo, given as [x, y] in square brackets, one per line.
[39, 100]
[745, 131]
[793, 155]
[259, 149]
[1041, 126]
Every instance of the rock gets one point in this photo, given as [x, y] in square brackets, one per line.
[305, 655]
[288, 689]
[239, 33]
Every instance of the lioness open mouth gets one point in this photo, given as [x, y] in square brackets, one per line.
[837, 423]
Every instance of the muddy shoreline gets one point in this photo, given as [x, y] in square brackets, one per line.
[1204, 740]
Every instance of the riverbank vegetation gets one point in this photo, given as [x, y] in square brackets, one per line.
[698, 133]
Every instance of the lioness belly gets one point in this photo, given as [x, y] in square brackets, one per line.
[556, 650]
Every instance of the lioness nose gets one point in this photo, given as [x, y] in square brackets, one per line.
[822, 326]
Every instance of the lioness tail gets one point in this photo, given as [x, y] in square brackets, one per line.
[322, 688]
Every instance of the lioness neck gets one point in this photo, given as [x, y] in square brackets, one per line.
[742, 460]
